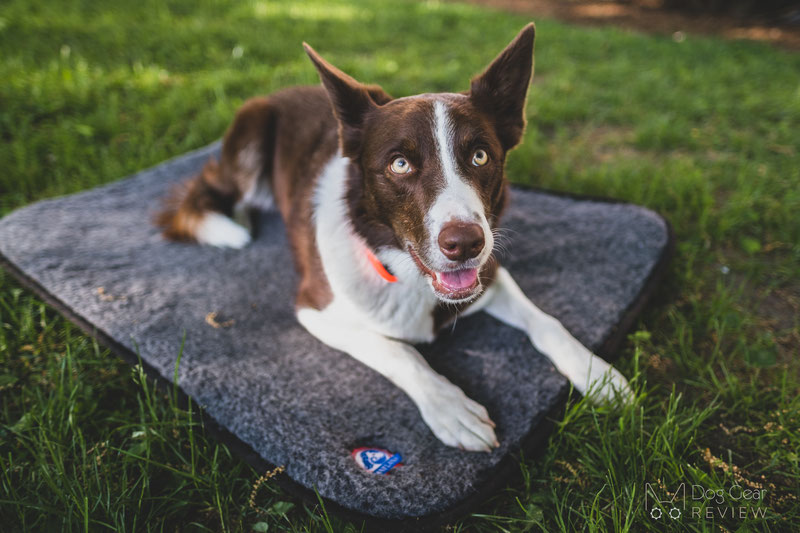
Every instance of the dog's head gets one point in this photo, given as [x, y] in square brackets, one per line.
[427, 172]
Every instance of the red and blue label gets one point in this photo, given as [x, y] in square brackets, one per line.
[376, 460]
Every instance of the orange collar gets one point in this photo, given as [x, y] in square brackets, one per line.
[379, 268]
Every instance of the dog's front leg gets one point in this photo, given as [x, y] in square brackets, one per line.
[505, 301]
[455, 419]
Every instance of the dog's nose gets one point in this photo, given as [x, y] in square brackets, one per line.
[460, 241]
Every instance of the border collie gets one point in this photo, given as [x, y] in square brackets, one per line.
[391, 206]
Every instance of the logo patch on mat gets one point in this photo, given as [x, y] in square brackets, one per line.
[376, 460]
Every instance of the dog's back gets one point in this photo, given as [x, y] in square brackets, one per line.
[272, 153]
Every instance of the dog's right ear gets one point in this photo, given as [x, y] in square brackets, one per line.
[350, 99]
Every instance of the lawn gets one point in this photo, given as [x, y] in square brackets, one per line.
[702, 130]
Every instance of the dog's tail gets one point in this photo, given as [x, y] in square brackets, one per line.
[199, 210]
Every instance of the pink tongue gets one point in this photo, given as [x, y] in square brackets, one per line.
[459, 279]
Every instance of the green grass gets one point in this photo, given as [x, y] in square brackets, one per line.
[705, 131]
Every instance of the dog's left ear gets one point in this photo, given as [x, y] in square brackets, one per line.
[351, 101]
[501, 90]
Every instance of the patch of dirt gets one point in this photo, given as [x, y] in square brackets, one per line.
[649, 16]
[778, 312]
[781, 307]
[774, 307]
[606, 143]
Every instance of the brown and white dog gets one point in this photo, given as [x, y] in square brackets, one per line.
[391, 206]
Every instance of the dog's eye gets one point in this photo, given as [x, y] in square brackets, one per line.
[480, 158]
[400, 165]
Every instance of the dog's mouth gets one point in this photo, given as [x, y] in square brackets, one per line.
[451, 286]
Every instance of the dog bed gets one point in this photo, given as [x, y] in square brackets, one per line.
[279, 396]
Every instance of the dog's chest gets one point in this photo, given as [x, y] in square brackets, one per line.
[403, 309]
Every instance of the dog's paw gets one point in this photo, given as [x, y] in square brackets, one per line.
[218, 230]
[456, 420]
[606, 384]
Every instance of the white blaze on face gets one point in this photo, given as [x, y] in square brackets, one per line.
[458, 200]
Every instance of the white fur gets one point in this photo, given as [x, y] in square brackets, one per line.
[216, 229]
[590, 374]
[455, 419]
[457, 201]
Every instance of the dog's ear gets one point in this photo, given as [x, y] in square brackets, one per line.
[350, 99]
[500, 91]
[378, 95]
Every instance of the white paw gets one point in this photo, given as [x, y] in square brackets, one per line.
[606, 383]
[456, 420]
[218, 230]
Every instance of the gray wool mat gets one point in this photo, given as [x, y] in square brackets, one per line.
[277, 391]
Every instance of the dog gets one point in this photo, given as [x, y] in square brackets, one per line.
[391, 207]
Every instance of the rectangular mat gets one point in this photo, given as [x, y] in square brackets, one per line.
[286, 399]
